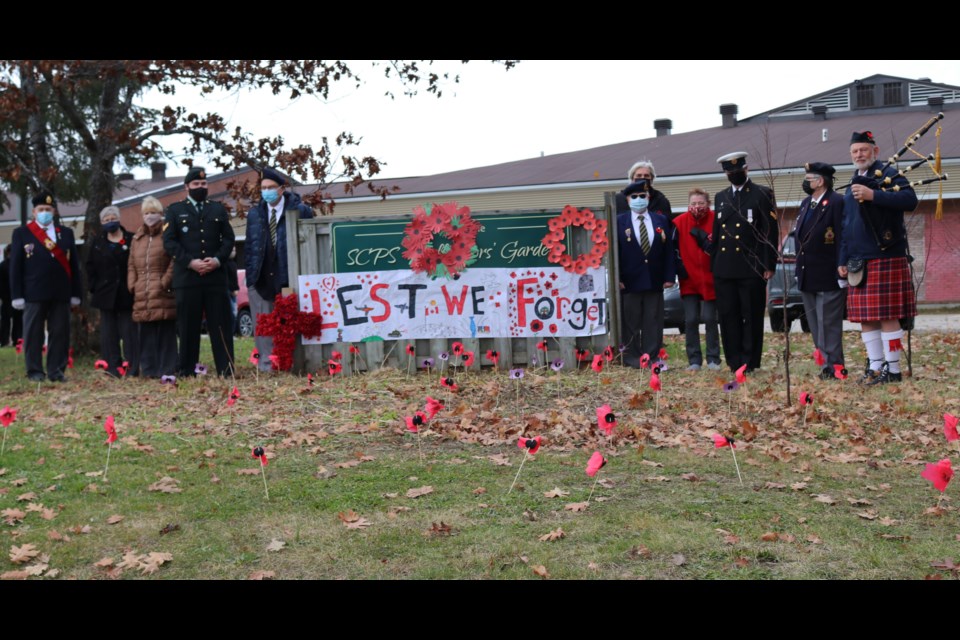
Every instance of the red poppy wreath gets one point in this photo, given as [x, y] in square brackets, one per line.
[441, 240]
[571, 216]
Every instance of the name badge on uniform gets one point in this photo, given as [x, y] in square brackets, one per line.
[750, 215]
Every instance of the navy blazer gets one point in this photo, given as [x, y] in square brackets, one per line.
[641, 273]
[818, 236]
[35, 275]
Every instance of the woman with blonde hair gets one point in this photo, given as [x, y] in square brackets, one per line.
[149, 278]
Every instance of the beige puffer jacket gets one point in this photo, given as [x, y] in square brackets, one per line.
[149, 276]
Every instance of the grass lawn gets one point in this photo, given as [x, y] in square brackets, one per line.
[837, 494]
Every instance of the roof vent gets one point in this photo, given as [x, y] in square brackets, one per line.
[663, 127]
[729, 114]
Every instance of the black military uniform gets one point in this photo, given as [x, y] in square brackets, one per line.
[196, 230]
[745, 235]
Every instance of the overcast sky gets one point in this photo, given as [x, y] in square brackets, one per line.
[547, 107]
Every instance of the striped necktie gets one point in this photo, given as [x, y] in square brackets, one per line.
[273, 227]
[644, 238]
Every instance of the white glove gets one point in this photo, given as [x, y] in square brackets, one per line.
[18, 304]
[843, 284]
[74, 302]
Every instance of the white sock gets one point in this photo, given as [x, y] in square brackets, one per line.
[892, 348]
[872, 341]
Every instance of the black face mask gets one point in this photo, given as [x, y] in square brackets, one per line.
[807, 189]
[198, 195]
[110, 227]
[737, 178]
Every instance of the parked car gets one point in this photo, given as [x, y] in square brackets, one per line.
[783, 285]
[244, 317]
[673, 316]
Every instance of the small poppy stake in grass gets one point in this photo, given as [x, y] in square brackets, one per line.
[606, 420]
[111, 430]
[428, 365]
[529, 446]
[494, 357]
[583, 355]
[261, 455]
[728, 389]
[516, 375]
[656, 386]
[557, 366]
[234, 396]
[818, 358]
[939, 473]
[720, 441]
[806, 400]
[414, 422]
[949, 429]
[355, 352]
[411, 356]
[597, 365]
[7, 417]
[596, 462]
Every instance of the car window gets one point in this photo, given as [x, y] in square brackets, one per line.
[789, 248]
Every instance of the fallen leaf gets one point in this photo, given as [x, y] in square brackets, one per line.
[52, 573]
[774, 485]
[55, 535]
[52, 487]
[867, 515]
[934, 511]
[678, 559]
[359, 523]
[442, 529]
[14, 575]
[103, 563]
[890, 522]
[262, 575]
[36, 569]
[639, 551]
[692, 477]
[27, 497]
[48, 514]
[741, 562]
[81, 529]
[165, 484]
[553, 535]
[814, 539]
[393, 511]
[530, 515]
[416, 493]
[249, 472]
[541, 571]
[93, 474]
[577, 506]
[657, 479]
[500, 460]
[787, 537]
[23, 553]
[607, 483]
[152, 562]
[214, 479]
[210, 453]
[114, 519]
[888, 536]
[276, 545]
[556, 492]
[347, 464]
[13, 516]
[824, 498]
[859, 502]
[770, 536]
[19, 482]
[651, 463]
[479, 491]
[593, 566]
[798, 486]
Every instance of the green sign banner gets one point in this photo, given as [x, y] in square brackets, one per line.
[505, 241]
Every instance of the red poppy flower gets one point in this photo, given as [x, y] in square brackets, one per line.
[449, 383]
[597, 364]
[254, 357]
[433, 407]
[310, 379]
[234, 396]
[101, 365]
[590, 224]
[334, 367]
[597, 251]
[593, 262]
[122, 371]
[939, 474]
[69, 362]
[597, 237]
[644, 360]
[565, 261]
[602, 226]
[583, 354]
[468, 358]
[806, 398]
[415, 421]
[411, 350]
[597, 462]
[720, 441]
[493, 356]
[554, 224]
[949, 427]
[19, 346]
[839, 372]
[336, 355]
[608, 353]
[536, 325]
[261, 455]
[818, 358]
[110, 429]
[553, 328]
[274, 362]
[742, 374]
[553, 258]
[606, 420]
[354, 350]
[7, 416]
[663, 355]
[457, 349]
[580, 267]
[655, 382]
[532, 445]
[542, 346]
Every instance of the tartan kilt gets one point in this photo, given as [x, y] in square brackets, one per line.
[887, 295]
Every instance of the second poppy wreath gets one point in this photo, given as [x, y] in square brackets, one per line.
[441, 240]
[554, 240]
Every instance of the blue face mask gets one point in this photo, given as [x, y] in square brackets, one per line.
[110, 227]
[44, 218]
[638, 204]
[270, 195]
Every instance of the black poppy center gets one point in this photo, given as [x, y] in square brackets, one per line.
[417, 420]
[610, 417]
[258, 451]
[530, 444]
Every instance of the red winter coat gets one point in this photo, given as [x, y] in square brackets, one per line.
[695, 260]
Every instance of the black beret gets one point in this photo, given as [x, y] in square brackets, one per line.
[863, 136]
[44, 197]
[195, 173]
[270, 174]
[820, 168]
[636, 187]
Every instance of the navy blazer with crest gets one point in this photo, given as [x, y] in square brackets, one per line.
[641, 273]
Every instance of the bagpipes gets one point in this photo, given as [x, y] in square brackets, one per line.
[885, 183]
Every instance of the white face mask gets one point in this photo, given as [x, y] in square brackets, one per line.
[151, 219]
[638, 205]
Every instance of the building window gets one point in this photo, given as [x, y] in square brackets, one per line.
[892, 93]
[865, 96]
